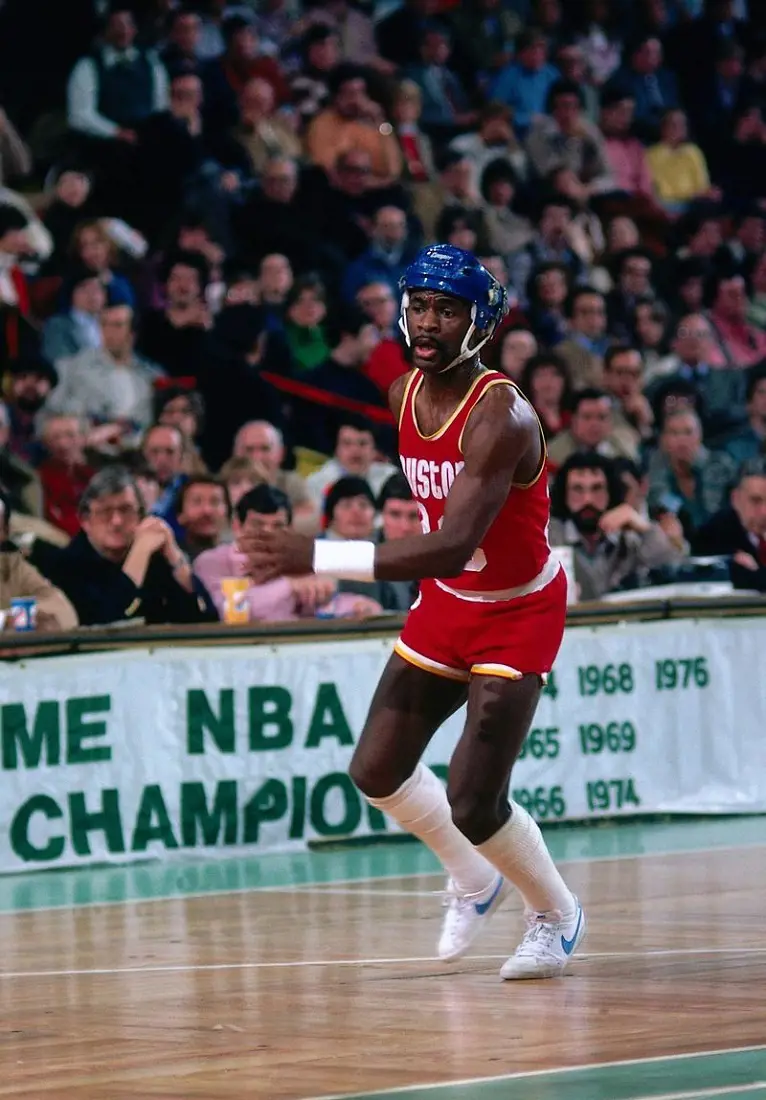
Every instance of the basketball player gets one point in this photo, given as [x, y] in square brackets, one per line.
[486, 626]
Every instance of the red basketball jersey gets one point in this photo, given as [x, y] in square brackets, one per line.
[515, 549]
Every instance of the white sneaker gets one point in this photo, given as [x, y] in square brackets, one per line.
[547, 945]
[467, 915]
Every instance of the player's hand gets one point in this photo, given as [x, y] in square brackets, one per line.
[272, 554]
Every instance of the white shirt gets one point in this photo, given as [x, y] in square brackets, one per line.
[82, 92]
[320, 481]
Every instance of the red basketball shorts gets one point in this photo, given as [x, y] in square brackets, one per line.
[457, 638]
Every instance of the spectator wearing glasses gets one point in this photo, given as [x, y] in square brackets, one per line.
[632, 414]
[123, 564]
[379, 303]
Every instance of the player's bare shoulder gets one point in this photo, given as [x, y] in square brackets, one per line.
[503, 413]
[396, 394]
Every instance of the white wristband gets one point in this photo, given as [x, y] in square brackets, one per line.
[346, 561]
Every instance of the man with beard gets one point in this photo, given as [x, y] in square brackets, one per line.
[613, 543]
[31, 380]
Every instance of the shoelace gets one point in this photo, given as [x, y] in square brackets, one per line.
[538, 932]
[451, 898]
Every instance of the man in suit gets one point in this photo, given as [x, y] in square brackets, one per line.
[740, 529]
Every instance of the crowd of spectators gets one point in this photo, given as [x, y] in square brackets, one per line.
[205, 211]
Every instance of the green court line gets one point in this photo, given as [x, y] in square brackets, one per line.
[690, 1075]
[190, 876]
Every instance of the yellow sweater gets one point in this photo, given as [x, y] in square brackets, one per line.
[678, 174]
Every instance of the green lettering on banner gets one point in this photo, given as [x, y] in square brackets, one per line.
[270, 710]
[298, 816]
[79, 731]
[201, 719]
[212, 822]
[106, 820]
[328, 719]
[269, 803]
[353, 811]
[16, 736]
[152, 821]
[19, 832]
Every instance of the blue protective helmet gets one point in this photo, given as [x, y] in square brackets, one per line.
[454, 271]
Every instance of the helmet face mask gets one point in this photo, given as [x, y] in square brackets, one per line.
[458, 274]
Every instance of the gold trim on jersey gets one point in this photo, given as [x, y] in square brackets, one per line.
[543, 445]
[427, 664]
[406, 396]
[453, 415]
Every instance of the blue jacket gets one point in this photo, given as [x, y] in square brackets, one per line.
[524, 91]
[374, 267]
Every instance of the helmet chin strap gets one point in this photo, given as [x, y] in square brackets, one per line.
[466, 351]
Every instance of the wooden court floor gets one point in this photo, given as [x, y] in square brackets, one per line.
[312, 975]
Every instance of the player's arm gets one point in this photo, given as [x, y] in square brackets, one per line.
[495, 440]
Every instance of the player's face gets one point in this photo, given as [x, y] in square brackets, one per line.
[437, 324]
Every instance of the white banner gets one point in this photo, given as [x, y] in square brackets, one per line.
[123, 756]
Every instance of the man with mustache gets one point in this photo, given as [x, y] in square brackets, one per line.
[486, 631]
[31, 380]
[612, 541]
